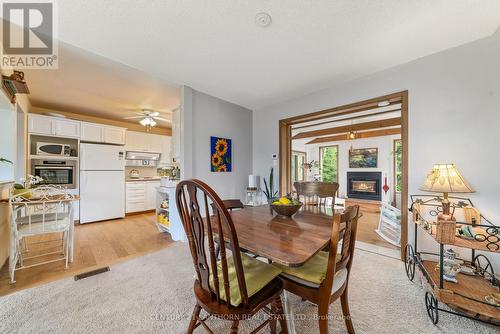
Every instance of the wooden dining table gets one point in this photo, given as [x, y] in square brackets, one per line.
[290, 241]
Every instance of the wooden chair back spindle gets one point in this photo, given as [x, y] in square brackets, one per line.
[188, 196]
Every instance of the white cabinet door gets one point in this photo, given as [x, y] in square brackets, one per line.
[114, 135]
[144, 142]
[151, 194]
[134, 141]
[43, 125]
[67, 128]
[166, 149]
[91, 132]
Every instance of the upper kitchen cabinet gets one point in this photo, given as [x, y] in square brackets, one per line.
[53, 126]
[114, 135]
[98, 133]
[147, 142]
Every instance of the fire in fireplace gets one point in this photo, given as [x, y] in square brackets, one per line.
[364, 185]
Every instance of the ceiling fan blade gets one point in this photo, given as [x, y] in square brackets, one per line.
[154, 113]
[132, 117]
[163, 119]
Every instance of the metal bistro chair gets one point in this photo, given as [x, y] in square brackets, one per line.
[49, 209]
[231, 287]
[316, 193]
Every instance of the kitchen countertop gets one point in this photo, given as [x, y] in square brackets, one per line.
[142, 179]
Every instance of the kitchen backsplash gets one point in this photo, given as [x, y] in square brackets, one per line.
[143, 171]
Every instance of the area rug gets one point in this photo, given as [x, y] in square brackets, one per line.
[153, 294]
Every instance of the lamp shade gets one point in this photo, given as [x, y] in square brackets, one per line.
[445, 178]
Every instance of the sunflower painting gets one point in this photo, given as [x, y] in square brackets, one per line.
[220, 154]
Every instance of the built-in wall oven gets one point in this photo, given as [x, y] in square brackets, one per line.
[61, 172]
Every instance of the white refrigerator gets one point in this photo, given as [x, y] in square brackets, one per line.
[102, 182]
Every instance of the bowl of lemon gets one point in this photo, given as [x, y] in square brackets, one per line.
[285, 206]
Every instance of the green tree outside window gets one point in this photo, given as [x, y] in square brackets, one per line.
[329, 163]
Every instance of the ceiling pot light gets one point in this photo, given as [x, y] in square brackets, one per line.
[383, 103]
[263, 19]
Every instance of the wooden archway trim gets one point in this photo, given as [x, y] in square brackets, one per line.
[285, 145]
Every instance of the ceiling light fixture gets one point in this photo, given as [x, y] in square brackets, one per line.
[351, 135]
[263, 19]
[383, 103]
[148, 122]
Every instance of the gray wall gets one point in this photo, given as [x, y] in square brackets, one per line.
[454, 116]
[206, 116]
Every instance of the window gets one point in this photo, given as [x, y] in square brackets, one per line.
[298, 158]
[329, 163]
[398, 171]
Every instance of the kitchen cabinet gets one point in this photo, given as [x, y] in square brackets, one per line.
[67, 128]
[98, 133]
[114, 135]
[141, 195]
[91, 132]
[40, 125]
[148, 142]
[53, 126]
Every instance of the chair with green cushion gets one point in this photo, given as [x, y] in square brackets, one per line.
[230, 287]
[325, 277]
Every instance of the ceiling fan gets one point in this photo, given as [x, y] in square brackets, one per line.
[149, 118]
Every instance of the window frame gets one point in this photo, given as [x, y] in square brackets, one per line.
[395, 174]
[321, 161]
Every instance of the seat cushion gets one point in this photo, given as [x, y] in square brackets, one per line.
[313, 271]
[38, 226]
[257, 275]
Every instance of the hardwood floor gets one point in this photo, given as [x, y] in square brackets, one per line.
[96, 245]
[366, 230]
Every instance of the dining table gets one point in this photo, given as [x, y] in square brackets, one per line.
[290, 241]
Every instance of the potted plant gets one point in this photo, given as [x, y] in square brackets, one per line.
[24, 188]
[270, 193]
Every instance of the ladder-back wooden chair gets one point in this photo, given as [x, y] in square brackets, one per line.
[316, 193]
[233, 287]
[325, 277]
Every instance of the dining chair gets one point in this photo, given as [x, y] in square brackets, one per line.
[48, 210]
[232, 286]
[230, 205]
[316, 193]
[325, 277]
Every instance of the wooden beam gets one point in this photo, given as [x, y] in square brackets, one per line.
[332, 121]
[344, 110]
[367, 134]
[384, 123]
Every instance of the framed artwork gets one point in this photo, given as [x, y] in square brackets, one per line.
[363, 158]
[220, 155]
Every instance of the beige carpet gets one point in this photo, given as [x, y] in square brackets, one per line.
[153, 294]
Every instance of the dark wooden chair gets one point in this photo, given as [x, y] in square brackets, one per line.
[221, 288]
[332, 270]
[316, 193]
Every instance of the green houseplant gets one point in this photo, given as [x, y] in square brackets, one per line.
[269, 191]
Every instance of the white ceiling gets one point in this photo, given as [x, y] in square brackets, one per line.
[215, 46]
[94, 85]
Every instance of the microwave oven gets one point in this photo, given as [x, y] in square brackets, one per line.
[53, 149]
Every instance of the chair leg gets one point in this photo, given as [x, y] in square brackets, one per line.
[194, 319]
[278, 312]
[323, 318]
[234, 327]
[346, 312]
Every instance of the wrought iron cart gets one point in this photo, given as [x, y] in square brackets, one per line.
[470, 295]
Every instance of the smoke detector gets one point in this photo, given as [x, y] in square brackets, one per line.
[263, 19]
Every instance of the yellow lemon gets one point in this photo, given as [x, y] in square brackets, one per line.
[284, 200]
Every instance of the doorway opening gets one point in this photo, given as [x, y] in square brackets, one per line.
[364, 148]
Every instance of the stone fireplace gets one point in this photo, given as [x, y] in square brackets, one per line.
[364, 185]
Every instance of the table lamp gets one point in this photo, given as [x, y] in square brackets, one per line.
[445, 178]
